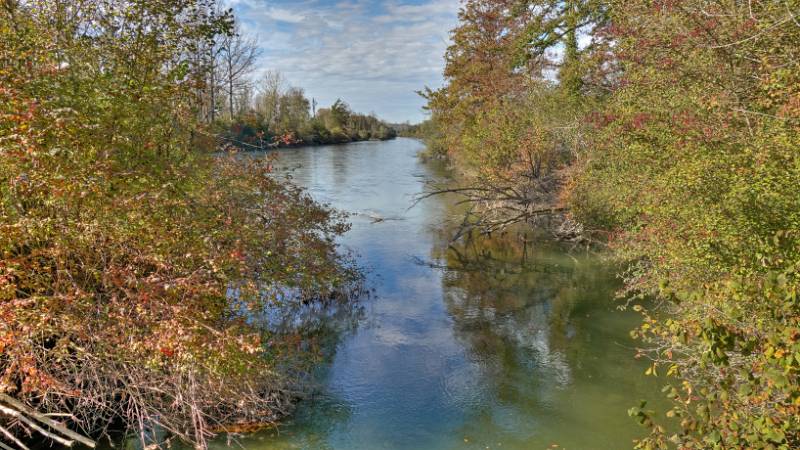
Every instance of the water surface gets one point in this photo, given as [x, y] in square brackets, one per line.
[503, 343]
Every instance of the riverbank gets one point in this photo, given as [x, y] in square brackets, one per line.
[285, 144]
[285, 122]
[136, 268]
[670, 135]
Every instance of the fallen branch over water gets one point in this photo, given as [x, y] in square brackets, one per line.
[10, 407]
[495, 205]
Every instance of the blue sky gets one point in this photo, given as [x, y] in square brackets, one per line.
[371, 53]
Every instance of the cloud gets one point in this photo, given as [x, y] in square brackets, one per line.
[283, 15]
[372, 54]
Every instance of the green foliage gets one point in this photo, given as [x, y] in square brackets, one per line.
[429, 132]
[695, 166]
[510, 130]
[290, 124]
[674, 137]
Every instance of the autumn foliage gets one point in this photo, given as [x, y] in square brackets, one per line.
[133, 266]
[678, 149]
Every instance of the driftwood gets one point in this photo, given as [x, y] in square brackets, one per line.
[11, 407]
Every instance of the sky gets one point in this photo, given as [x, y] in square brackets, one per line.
[373, 54]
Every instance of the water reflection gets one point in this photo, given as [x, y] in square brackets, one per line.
[505, 342]
[521, 307]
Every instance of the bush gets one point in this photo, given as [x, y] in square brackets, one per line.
[132, 266]
[696, 171]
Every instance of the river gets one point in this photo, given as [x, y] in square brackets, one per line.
[507, 343]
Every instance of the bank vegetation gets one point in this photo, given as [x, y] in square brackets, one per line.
[668, 133]
[135, 262]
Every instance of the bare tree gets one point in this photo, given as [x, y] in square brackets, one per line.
[244, 98]
[211, 51]
[238, 54]
[271, 87]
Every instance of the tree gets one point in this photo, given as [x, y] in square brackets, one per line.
[271, 87]
[122, 239]
[510, 129]
[694, 168]
[293, 110]
[673, 137]
[556, 24]
[340, 115]
[238, 55]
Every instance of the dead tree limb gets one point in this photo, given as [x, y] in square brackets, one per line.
[23, 413]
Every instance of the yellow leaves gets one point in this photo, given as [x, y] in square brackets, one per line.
[673, 370]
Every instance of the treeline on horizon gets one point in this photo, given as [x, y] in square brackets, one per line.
[425, 130]
[668, 133]
[268, 112]
[279, 115]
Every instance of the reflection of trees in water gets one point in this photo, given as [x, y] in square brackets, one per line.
[303, 335]
[303, 332]
[306, 334]
[512, 300]
[541, 333]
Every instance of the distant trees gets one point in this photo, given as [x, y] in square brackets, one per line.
[266, 111]
[281, 116]
[238, 54]
[429, 132]
[294, 111]
[271, 87]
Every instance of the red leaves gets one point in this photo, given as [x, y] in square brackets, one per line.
[791, 109]
[685, 121]
[640, 120]
[120, 244]
[238, 255]
[287, 139]
[600, 119]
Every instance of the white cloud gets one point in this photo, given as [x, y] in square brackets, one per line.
[374, 55]
[283, 15]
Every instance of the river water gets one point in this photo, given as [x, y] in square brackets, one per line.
[503, 343]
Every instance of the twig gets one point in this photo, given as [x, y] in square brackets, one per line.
[13, 438]
[21, 417]
[4, 446]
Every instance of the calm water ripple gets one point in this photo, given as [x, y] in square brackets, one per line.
[514, 347]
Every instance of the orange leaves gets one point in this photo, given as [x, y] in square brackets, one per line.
[238, 254]
[287, 139]
[791, 109]
[130, 263]
[7, 339]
